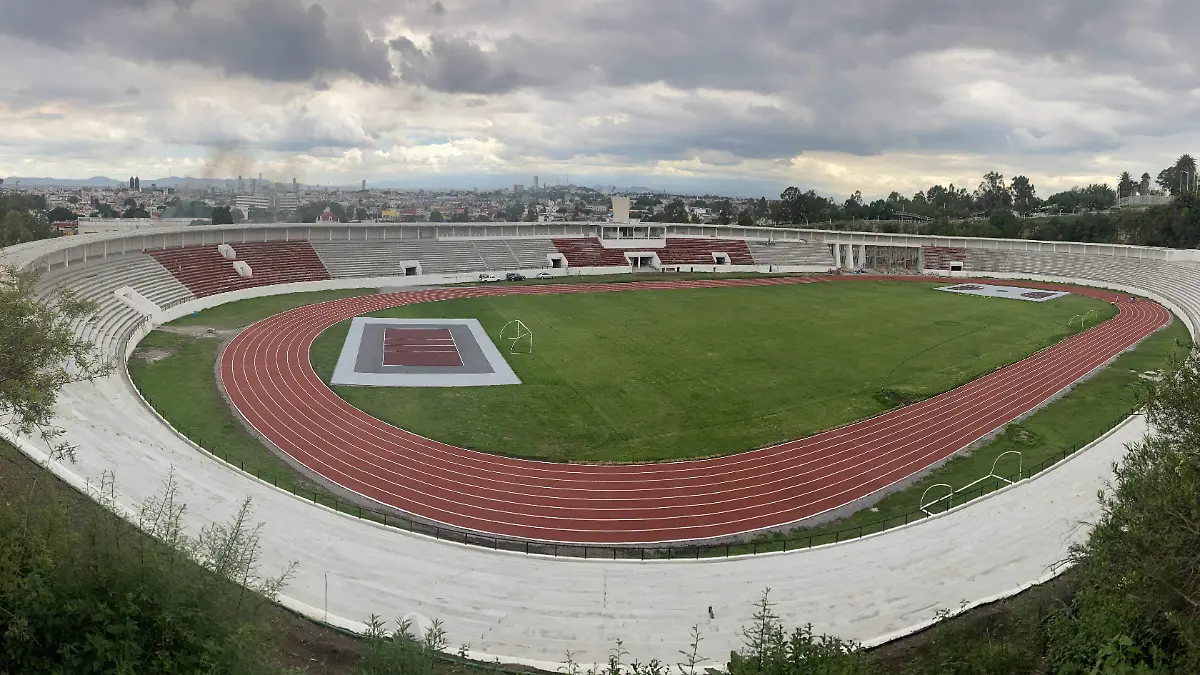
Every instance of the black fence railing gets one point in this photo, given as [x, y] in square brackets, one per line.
[763, 543]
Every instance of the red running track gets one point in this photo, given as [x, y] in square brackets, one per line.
[269, 379]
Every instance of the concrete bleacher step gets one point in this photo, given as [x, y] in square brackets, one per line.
[206, 272]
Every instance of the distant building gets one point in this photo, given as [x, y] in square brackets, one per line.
[137, 184]
[247, 202]
[518, 189]
[287, 202]
[67, 227]
[364, 187]
[535, 185]
[327, 216]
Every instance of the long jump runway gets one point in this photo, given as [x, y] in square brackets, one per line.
[269, 379]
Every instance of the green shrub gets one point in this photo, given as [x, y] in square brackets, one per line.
[1138, 606]
[769, 649]
[95, 596]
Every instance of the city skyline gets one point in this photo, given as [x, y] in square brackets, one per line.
[737, 98]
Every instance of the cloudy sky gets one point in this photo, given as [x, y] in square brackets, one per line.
[740, 96]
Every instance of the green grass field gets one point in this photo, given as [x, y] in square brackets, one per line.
[663, 375]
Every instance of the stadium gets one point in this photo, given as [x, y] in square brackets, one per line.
[492, 454]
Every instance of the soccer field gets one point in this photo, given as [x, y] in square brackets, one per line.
[661, 375]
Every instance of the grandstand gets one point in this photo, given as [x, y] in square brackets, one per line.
[589, 252]
[698, 251]
[98, 281]
[943, 257]
[205, 272]
[394, 258]
[791, 253]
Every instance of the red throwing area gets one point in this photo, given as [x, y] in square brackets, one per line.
[420, 347]
[269, 379]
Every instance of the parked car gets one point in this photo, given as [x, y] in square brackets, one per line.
[544, 275]
[488, 278]
[514, 276]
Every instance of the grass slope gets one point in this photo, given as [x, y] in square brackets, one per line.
[663, 375]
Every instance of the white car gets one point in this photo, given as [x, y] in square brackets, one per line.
[544, 275]
[488, 278]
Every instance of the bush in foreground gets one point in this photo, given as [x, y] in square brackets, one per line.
[81, 592]
[1138, 606]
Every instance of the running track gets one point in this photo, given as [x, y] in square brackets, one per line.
[268, 377]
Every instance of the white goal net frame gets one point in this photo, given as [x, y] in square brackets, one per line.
[519, 336]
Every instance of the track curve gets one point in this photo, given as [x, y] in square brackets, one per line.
[270, 381]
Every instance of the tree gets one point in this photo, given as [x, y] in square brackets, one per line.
[761, 208]
[778, 213]
[1007, 225]
[72, 199]
[1144, 185]
[992, 193]
[803, 208]
[308, 212]
[137, 211]
[435, 216]
[40, 353]
[674, 212]
[1138, 584]
[16, 228]
[1024, 195]
[360, 214]
[58, 214]
[1125, 185]
[513, 212]
[238, 216]
[1185, 173]
[222, 215]
[725, 212]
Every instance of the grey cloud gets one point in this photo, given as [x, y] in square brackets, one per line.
[276, 40]
[842, 74]
[839, 60]
[59, 22]
[272, 40]
[459, 65]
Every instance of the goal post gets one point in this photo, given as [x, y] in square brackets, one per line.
[519, 336]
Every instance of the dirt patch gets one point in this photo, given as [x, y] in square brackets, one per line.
[154, 355]
[201, 331]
